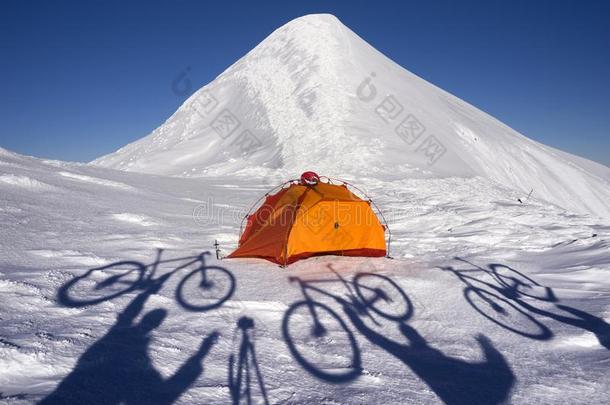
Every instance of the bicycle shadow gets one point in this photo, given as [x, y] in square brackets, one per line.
[244, 367]
[453, 380]
[515, 289]
[328, 330]
[202, 289]
[117, 369]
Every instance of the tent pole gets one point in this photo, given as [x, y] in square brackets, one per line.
[378, 210]
[241, 226]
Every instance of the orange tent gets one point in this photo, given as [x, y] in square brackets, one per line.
[305, 219]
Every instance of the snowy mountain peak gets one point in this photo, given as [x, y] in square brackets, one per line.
[314, 24]
[314, 95]
[312, 30]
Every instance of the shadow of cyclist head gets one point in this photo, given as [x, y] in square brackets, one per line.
[245, 323]
[152, 320]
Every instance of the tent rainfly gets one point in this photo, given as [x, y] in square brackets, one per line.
[309, 217]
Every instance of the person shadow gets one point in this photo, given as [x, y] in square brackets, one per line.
[453, 380]
[118, 369]
[244, 368]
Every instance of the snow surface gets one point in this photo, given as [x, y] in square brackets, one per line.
[547, 342]
[488, 300]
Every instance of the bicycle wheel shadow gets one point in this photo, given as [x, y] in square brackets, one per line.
[117, 369]
[204, 288]
[501, 286]
[453, 380]
[245, 379]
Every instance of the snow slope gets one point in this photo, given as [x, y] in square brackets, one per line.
[487, 300]
[509, 302]
[315, 96]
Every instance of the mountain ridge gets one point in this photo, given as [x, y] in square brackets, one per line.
[314, 95]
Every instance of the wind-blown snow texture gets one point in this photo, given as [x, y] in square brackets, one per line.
[487, 300]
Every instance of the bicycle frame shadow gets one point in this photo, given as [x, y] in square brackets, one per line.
[127, 276]
[244, 367]
[326, 321]
[453, 380]
[514, 290]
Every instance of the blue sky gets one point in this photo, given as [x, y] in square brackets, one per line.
[81, 79]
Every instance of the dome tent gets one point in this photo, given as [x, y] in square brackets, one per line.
[309, 217]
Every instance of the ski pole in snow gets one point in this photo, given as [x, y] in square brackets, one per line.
[526, 198]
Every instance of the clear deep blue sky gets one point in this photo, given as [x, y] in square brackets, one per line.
[82, 78]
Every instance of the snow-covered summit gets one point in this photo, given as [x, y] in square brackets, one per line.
[314, 95]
